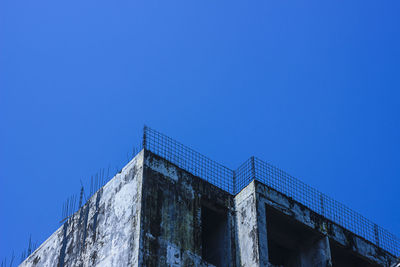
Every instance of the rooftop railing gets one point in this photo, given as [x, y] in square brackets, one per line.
[233, 181]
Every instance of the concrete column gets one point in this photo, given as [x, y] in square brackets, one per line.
[262, 232]
[251, 249]
[316, 255]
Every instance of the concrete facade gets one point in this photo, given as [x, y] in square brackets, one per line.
[103, 232]
[156, 214]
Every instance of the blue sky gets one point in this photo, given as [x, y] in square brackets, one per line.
[310, 86]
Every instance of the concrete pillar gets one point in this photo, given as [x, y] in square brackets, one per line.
[262, 232]
[316, 255]
[251, 236]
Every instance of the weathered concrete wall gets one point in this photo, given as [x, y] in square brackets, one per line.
[251, 229]
[172, 206]
[104, 232]
[335, 233]
[316, 255]
[153, 214]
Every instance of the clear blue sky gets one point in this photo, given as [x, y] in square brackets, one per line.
[310, 86]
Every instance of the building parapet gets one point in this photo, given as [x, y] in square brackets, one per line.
[233, 181]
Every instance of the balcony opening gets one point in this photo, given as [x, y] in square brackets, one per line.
[287, 238]
[344, 257]
[214, 235]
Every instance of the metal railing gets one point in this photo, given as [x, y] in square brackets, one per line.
[255, 169]
[188, 159]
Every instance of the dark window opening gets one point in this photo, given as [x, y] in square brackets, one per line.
[344, 257]
[214, 235]
[278, 254]
[286, 238]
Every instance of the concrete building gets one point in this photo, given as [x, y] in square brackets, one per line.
[157, 213]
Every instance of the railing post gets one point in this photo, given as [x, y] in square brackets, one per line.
[144, 137]
[253, 168]
[376, 232]
[234, 182]
[321, 200]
